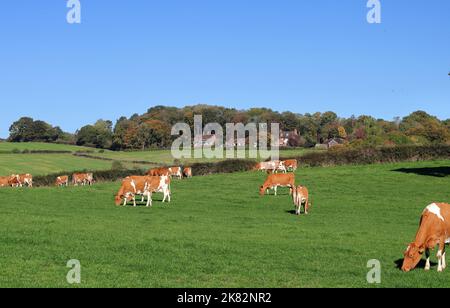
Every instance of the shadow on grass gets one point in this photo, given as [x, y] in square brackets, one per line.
[440, 172]
[421, 265]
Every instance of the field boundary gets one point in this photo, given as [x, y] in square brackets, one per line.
[367, 156]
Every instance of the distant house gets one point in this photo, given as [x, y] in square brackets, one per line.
[331, 143]
[286, 136]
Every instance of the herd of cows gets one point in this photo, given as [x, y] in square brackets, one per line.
[434, 229]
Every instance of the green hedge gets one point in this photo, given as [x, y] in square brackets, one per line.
[226, 166]
[99, 176]
[374, 155]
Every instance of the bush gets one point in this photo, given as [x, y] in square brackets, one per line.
[117, 165]
[374, 155]
[226, 166]
[15, 151]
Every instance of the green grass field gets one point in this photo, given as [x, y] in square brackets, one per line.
[218, 232]
[40, 146]
[42, 164]
[165, 156]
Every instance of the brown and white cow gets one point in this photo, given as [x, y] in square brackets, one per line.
[434, 231]
[10, 181]
[133, 186]
[159, 172]
[4, 181]
[26, 179]
[62, 180]
[14, 181]
[301, 196]
[142, 185]
[291, 164]
[274, 181]
[82, 179]
[271, 166]
[187, 172]
[176, 172]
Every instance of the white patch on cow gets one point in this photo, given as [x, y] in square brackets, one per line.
[436, 210]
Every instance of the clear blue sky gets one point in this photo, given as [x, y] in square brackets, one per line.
[297, 55]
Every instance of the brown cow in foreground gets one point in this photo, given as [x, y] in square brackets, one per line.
[278, 180]
[301, 196]
[144, 186]
[434, 231]
[62, 181]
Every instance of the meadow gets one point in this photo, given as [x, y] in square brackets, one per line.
[48, 163]
[218, 232]
[40, 146]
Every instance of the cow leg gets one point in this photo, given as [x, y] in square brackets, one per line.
[306, 206]
[444, 262]
[276, 189]
[439, 256]
[427, 265]
[148, 199]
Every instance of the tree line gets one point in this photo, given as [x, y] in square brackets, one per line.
[152, 129]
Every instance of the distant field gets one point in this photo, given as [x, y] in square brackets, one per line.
[42, 164]
[230, 238]
[165, 156]
[39, 146]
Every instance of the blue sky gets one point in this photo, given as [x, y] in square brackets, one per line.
[296, 55]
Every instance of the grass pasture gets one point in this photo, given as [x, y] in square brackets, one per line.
[218, 232]
[42, 164]
[41, 146]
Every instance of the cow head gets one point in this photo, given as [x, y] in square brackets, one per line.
[413, 254]
[262, 190]
[118, 200]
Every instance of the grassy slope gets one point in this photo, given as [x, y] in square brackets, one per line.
[165, 156]
[41, 164]
[39, 146]
[219, 233]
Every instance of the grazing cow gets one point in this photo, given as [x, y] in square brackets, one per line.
[133, 186]
[271, 166]
[301, 196]
[162, 185]
[176, 172]
[145, 186]
[14, 181]
[291, 165]
[62, 181]
[159, 172]
[278, 180]
[4, 181]
[26, 179]
[187, 172]
[82, 179]
[434, 231]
